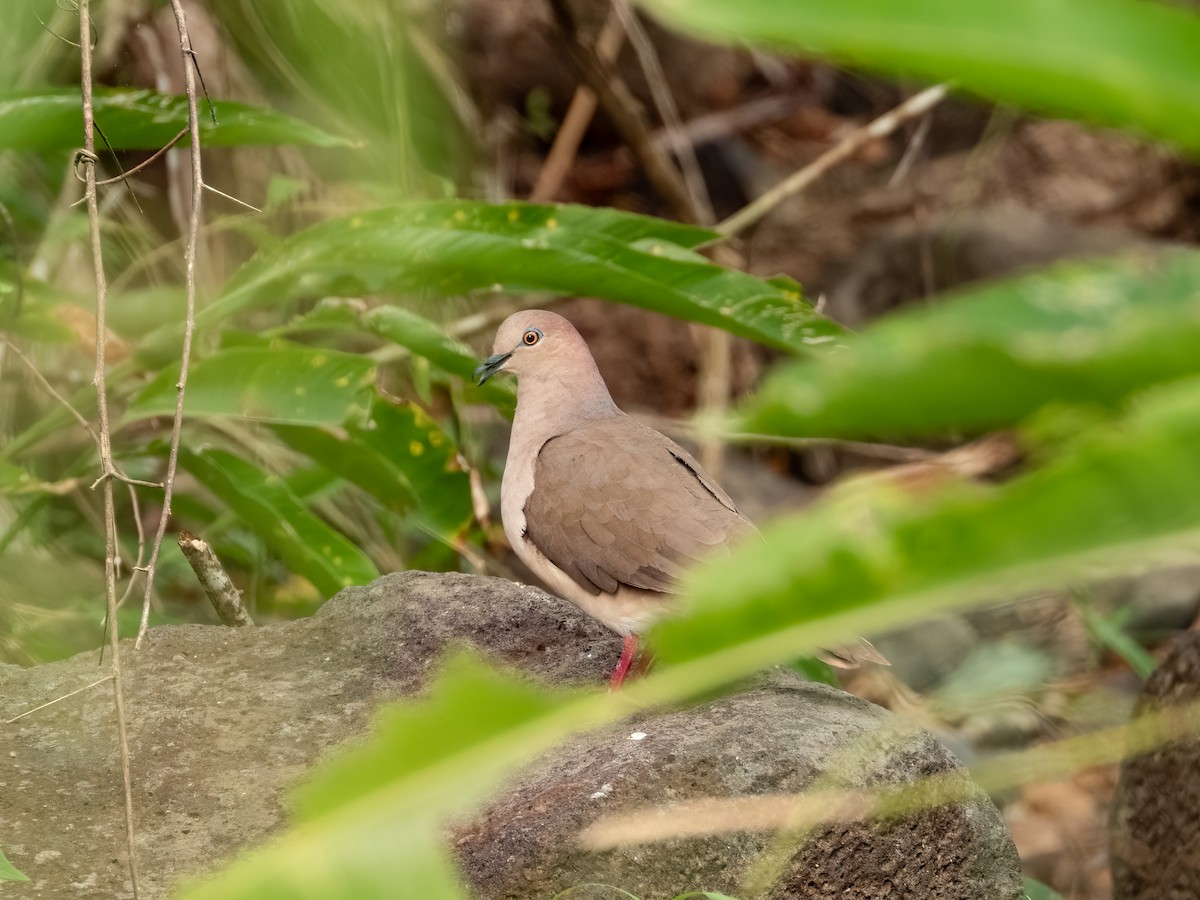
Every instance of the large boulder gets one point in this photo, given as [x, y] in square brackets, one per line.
[222, 721]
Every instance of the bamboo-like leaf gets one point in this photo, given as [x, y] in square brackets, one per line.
[266, 504]
[453, 247]
[285, 383]
[425, 761]
[1122, 496]
[1119, 62]
[143, 120]
[1082, 333]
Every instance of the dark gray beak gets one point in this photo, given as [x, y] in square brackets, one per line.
[491, 366]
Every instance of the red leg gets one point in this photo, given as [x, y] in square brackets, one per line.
[629, 646]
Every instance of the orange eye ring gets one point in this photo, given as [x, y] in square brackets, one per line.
[531, 337]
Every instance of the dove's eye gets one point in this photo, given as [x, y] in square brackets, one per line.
[531, 337]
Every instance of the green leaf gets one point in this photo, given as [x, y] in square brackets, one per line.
[401, 457]
[16, 480]
[143, 120]
[445, 248]
[284, 383]
[869, 557]
[423, 338]
[1109, 631]
[8, 872]
[1035, 890]
[1119, 62]
[1077, 334]
[266, 504]
[415, 444]
[425, 761]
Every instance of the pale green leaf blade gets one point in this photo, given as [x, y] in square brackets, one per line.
[284, 383]
[1081, 333]
[869, 557]
[8, 872]
[425, 760]
[1118, 62]
[52, 119]
[302, 540]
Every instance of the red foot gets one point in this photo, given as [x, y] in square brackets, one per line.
[629, 646]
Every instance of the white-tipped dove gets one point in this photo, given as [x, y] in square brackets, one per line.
[603, 509]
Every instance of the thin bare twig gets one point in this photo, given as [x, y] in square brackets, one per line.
[141, 533]
[664, 102]
[51, 390]
[30, 712]
[189, 80]
[110, 523]
[575, 122]
[915, 106]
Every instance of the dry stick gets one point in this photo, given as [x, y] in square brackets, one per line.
[911, 108]
[110, 522]
[189, 80]
[225, 598]
[575, 122]
[624, 110]
[30, 712]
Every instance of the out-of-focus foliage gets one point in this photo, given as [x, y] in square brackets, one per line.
[143, 120]
[325, 439]
[1119, 62]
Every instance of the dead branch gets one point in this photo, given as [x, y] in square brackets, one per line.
[575, 122]
[225, 598]
[110, 523]
[189, 76]
[911, 108]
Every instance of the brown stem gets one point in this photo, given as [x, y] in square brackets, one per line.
[110, 522]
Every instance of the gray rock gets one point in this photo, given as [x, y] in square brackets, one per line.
[1159, 602]
[223, 721]
[778, 738]
[925, 653]
[1155, 819]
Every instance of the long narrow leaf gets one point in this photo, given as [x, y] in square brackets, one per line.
[143, 120]
[1083, 333]
[1120, 62]
[453, 247]
[304, 542]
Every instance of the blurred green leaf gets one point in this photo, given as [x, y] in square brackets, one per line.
[8, 872]
[1120, 62]
[453, 247]
[874, 555]
[1109, 631]
[406, 435]
[282, 383]
[361, 810]
[303, 541]
[16, 480]
[1079, 333]
[142, 120]
[426, 340]
[1035, 890]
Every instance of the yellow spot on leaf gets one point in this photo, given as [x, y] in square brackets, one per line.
[551, 224]
[416, 448]
[300, 390]
[356, 222]
[319, 360]
[343, 381]
[460, 216]
[435, 439]
[514, 214]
